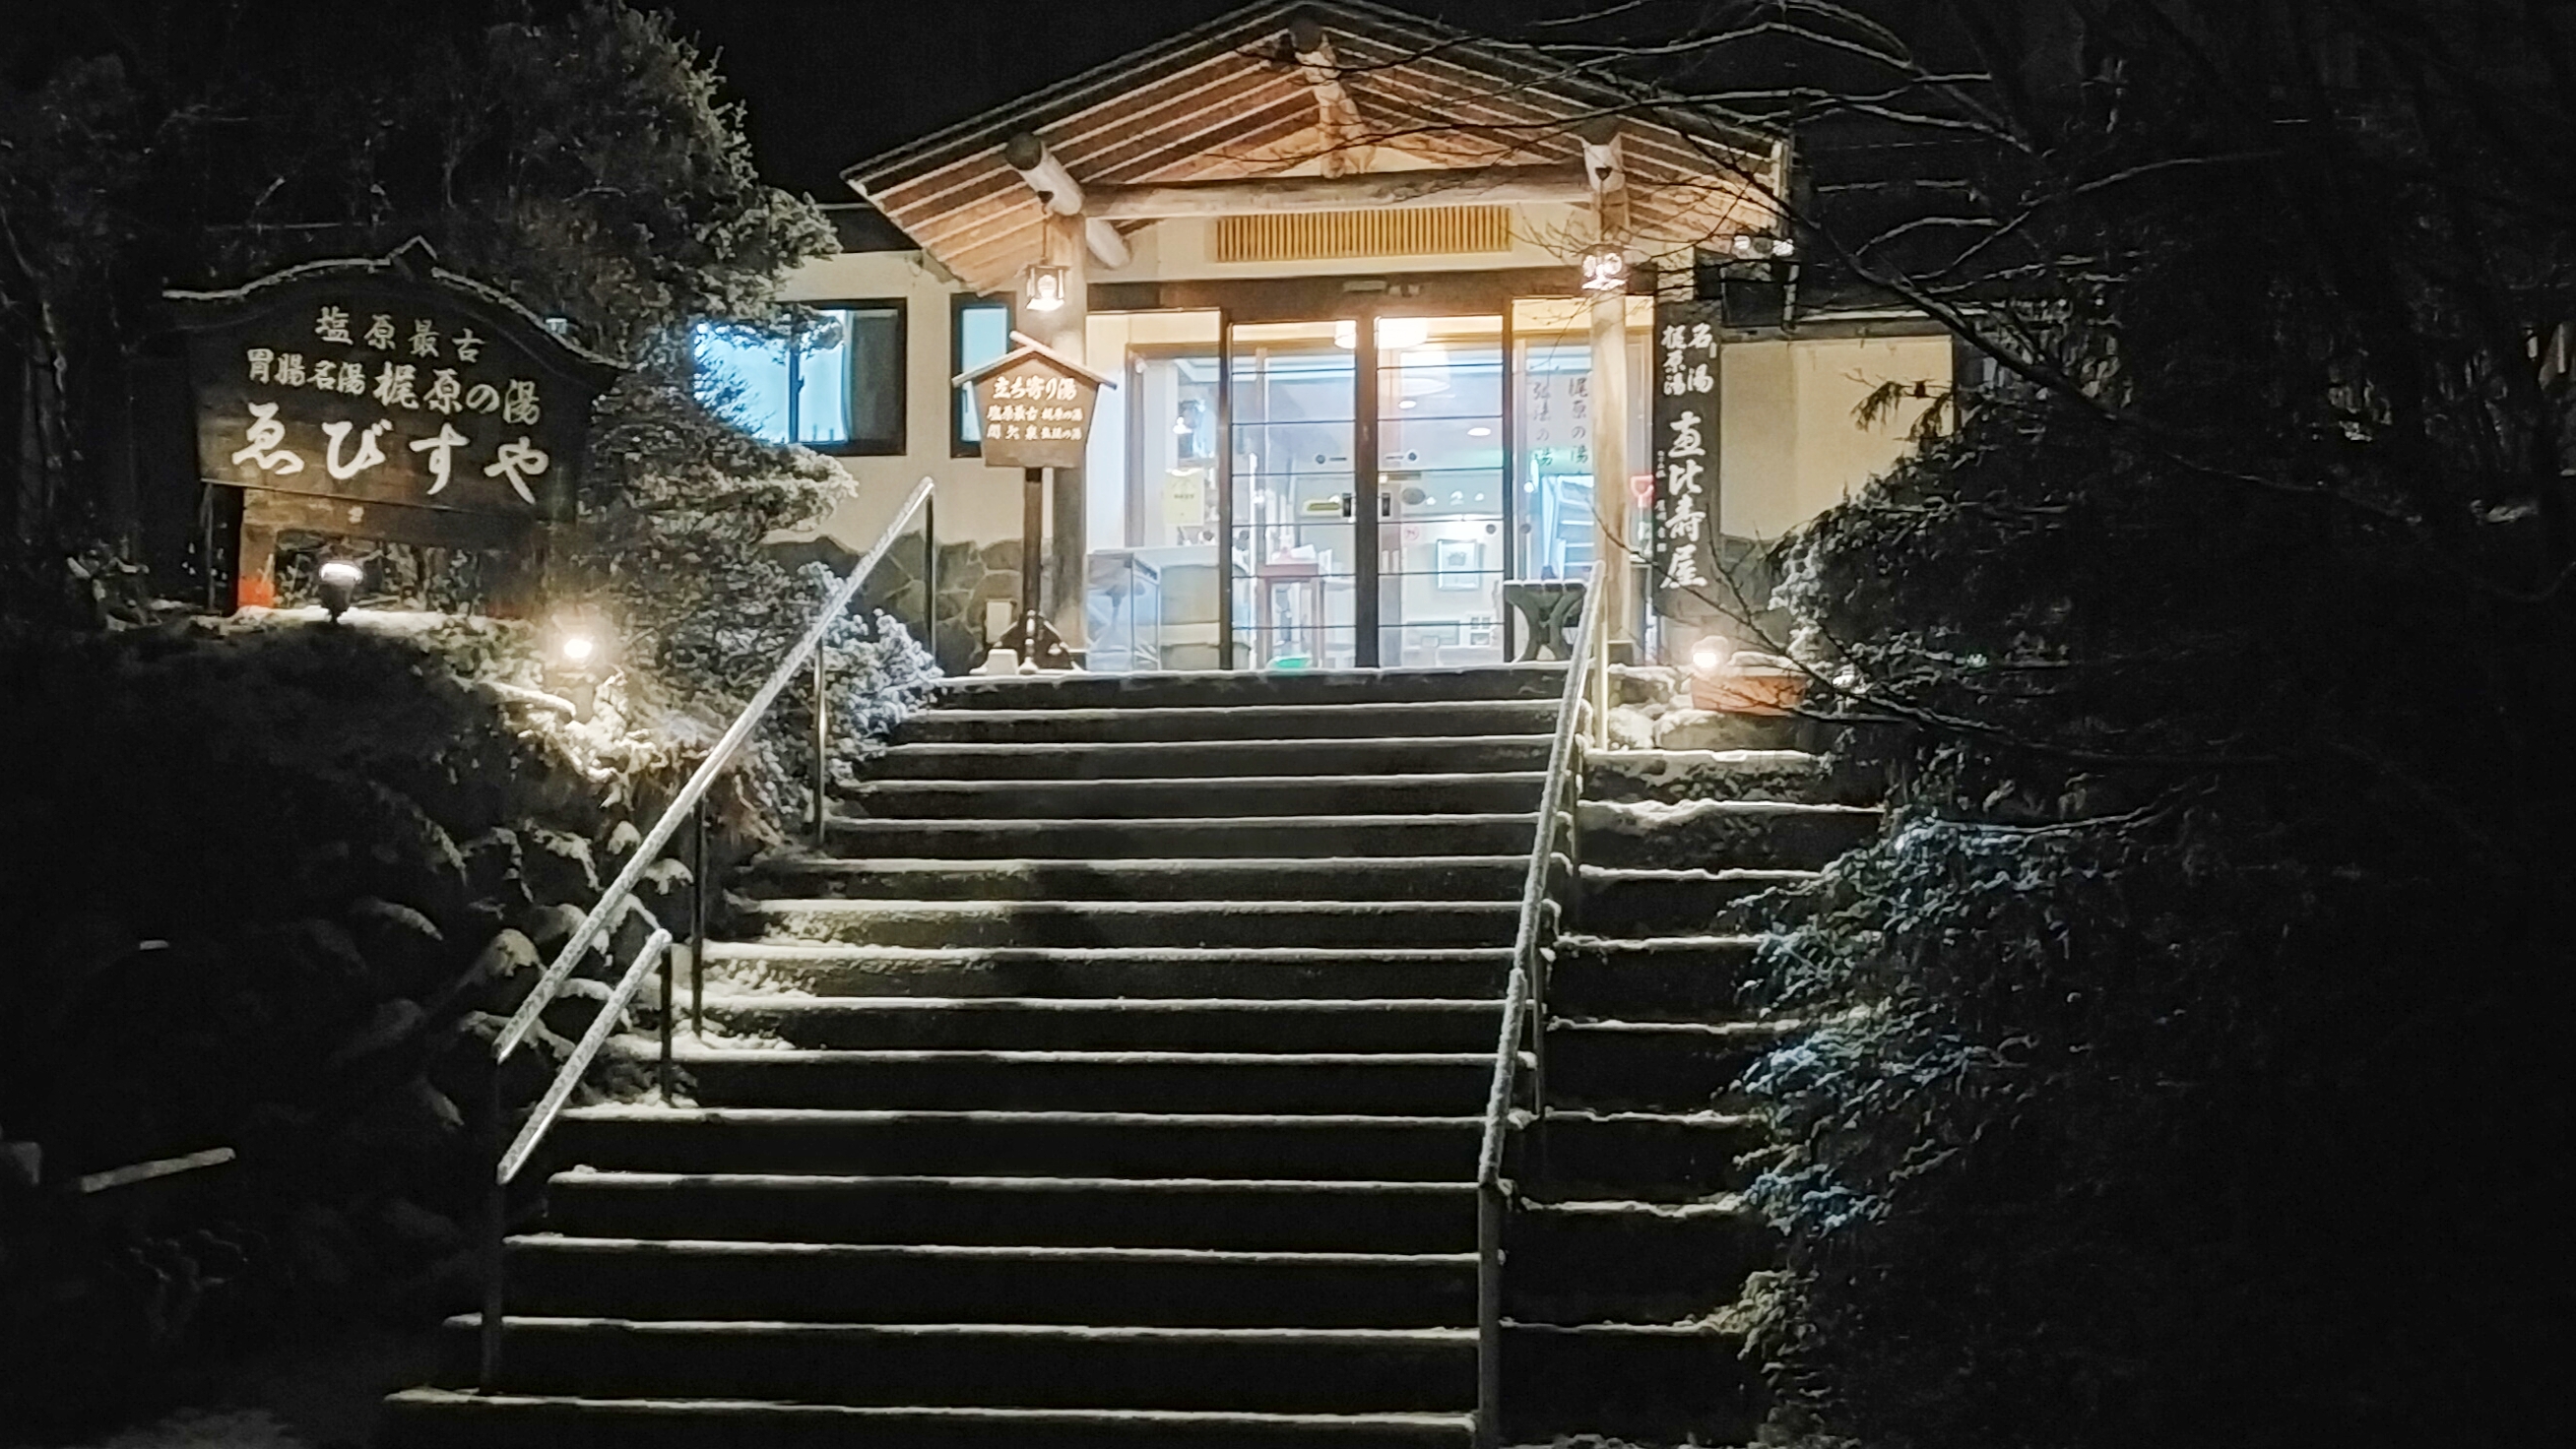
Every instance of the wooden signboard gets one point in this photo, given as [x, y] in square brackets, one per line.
[1685, 452]
[387, 400]
[1036, 406]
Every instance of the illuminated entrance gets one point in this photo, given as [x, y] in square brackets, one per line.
[1472, 435]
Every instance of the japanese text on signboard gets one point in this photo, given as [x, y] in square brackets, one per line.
[386, 392]
[1686, 366]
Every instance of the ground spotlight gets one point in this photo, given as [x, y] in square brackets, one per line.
[340, 580]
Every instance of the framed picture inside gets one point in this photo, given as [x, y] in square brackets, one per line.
[1456, 562]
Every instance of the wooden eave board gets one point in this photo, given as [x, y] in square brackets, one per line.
[1217, 104]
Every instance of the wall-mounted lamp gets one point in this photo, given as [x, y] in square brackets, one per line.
[1753, 248]
[1047, 284]
[339, 584]
[1605, 269]
[1709, 655]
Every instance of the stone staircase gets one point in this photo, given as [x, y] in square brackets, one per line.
[1629, 1240]
[1116, 1076]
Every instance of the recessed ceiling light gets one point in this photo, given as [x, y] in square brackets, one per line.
[1480, 432]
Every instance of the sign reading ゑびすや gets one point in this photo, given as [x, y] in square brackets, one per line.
[386, 400]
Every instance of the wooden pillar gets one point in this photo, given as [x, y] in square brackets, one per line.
[1612, 568]
[1034, 566]
[1067, 542]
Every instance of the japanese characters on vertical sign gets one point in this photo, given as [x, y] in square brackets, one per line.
[392, 383]
[1556, 422]
[1686, 400]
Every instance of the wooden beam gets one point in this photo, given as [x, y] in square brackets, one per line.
[1606, 171]
[1455, 186]
[1336, 113]
[1062, 195]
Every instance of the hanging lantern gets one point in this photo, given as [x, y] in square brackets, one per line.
[1047, 284]
[1605, 269]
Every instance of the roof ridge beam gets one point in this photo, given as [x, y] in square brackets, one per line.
[1437, 186]
[1337, 114]
[1059, 193]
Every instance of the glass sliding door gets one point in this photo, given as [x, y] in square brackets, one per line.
[1296, 570]
[1443, 551]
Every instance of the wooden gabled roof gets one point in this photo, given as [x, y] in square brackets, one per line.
[1227, 101]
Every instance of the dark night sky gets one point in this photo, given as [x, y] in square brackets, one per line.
[830, 82]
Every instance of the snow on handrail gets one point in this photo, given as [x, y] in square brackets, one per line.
[1521, 998]
[611, 902]
[569, 1075]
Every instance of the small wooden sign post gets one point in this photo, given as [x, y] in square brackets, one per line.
[1036, 406]
[388, 400]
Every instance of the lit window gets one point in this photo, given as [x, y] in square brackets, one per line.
[841, 393]
[981, 332]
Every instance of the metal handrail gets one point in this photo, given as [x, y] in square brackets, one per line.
[620, 898]
[1524, 1000]
[612, 901]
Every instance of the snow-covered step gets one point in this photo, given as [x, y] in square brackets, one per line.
[1187, 759]
[1419, 1084]
[1673, 1066]
[1094, 1024]
[1212, 689]
[1013, 1143]
[1620, 1260]
[1675, 775]
[1325, 878]
[1373, 835]
[1620, 901]
[1643, 1156]
[1664, 978]
[1271, 972]
[1271, 1370]
[1247, 1215]
[574, 1277]
[1713, 834]
[1443, 792]
[1134, 923]
[1361, 720]
[456, 1419]
[1643, 1383]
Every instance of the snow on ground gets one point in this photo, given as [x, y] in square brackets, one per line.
[207, 1429]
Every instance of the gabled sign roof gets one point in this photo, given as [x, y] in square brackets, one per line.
[1030, 347]
[1228, 100]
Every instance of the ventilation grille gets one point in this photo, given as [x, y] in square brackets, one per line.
[1316, 236]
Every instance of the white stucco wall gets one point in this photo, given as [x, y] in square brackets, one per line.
[1792, 445]
[974, 501]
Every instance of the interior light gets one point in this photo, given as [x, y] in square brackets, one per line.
[1346, 334]
[1480, 432]
[1047, 283]
[1406, 403]
[1399, 333]
[1710, 654]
